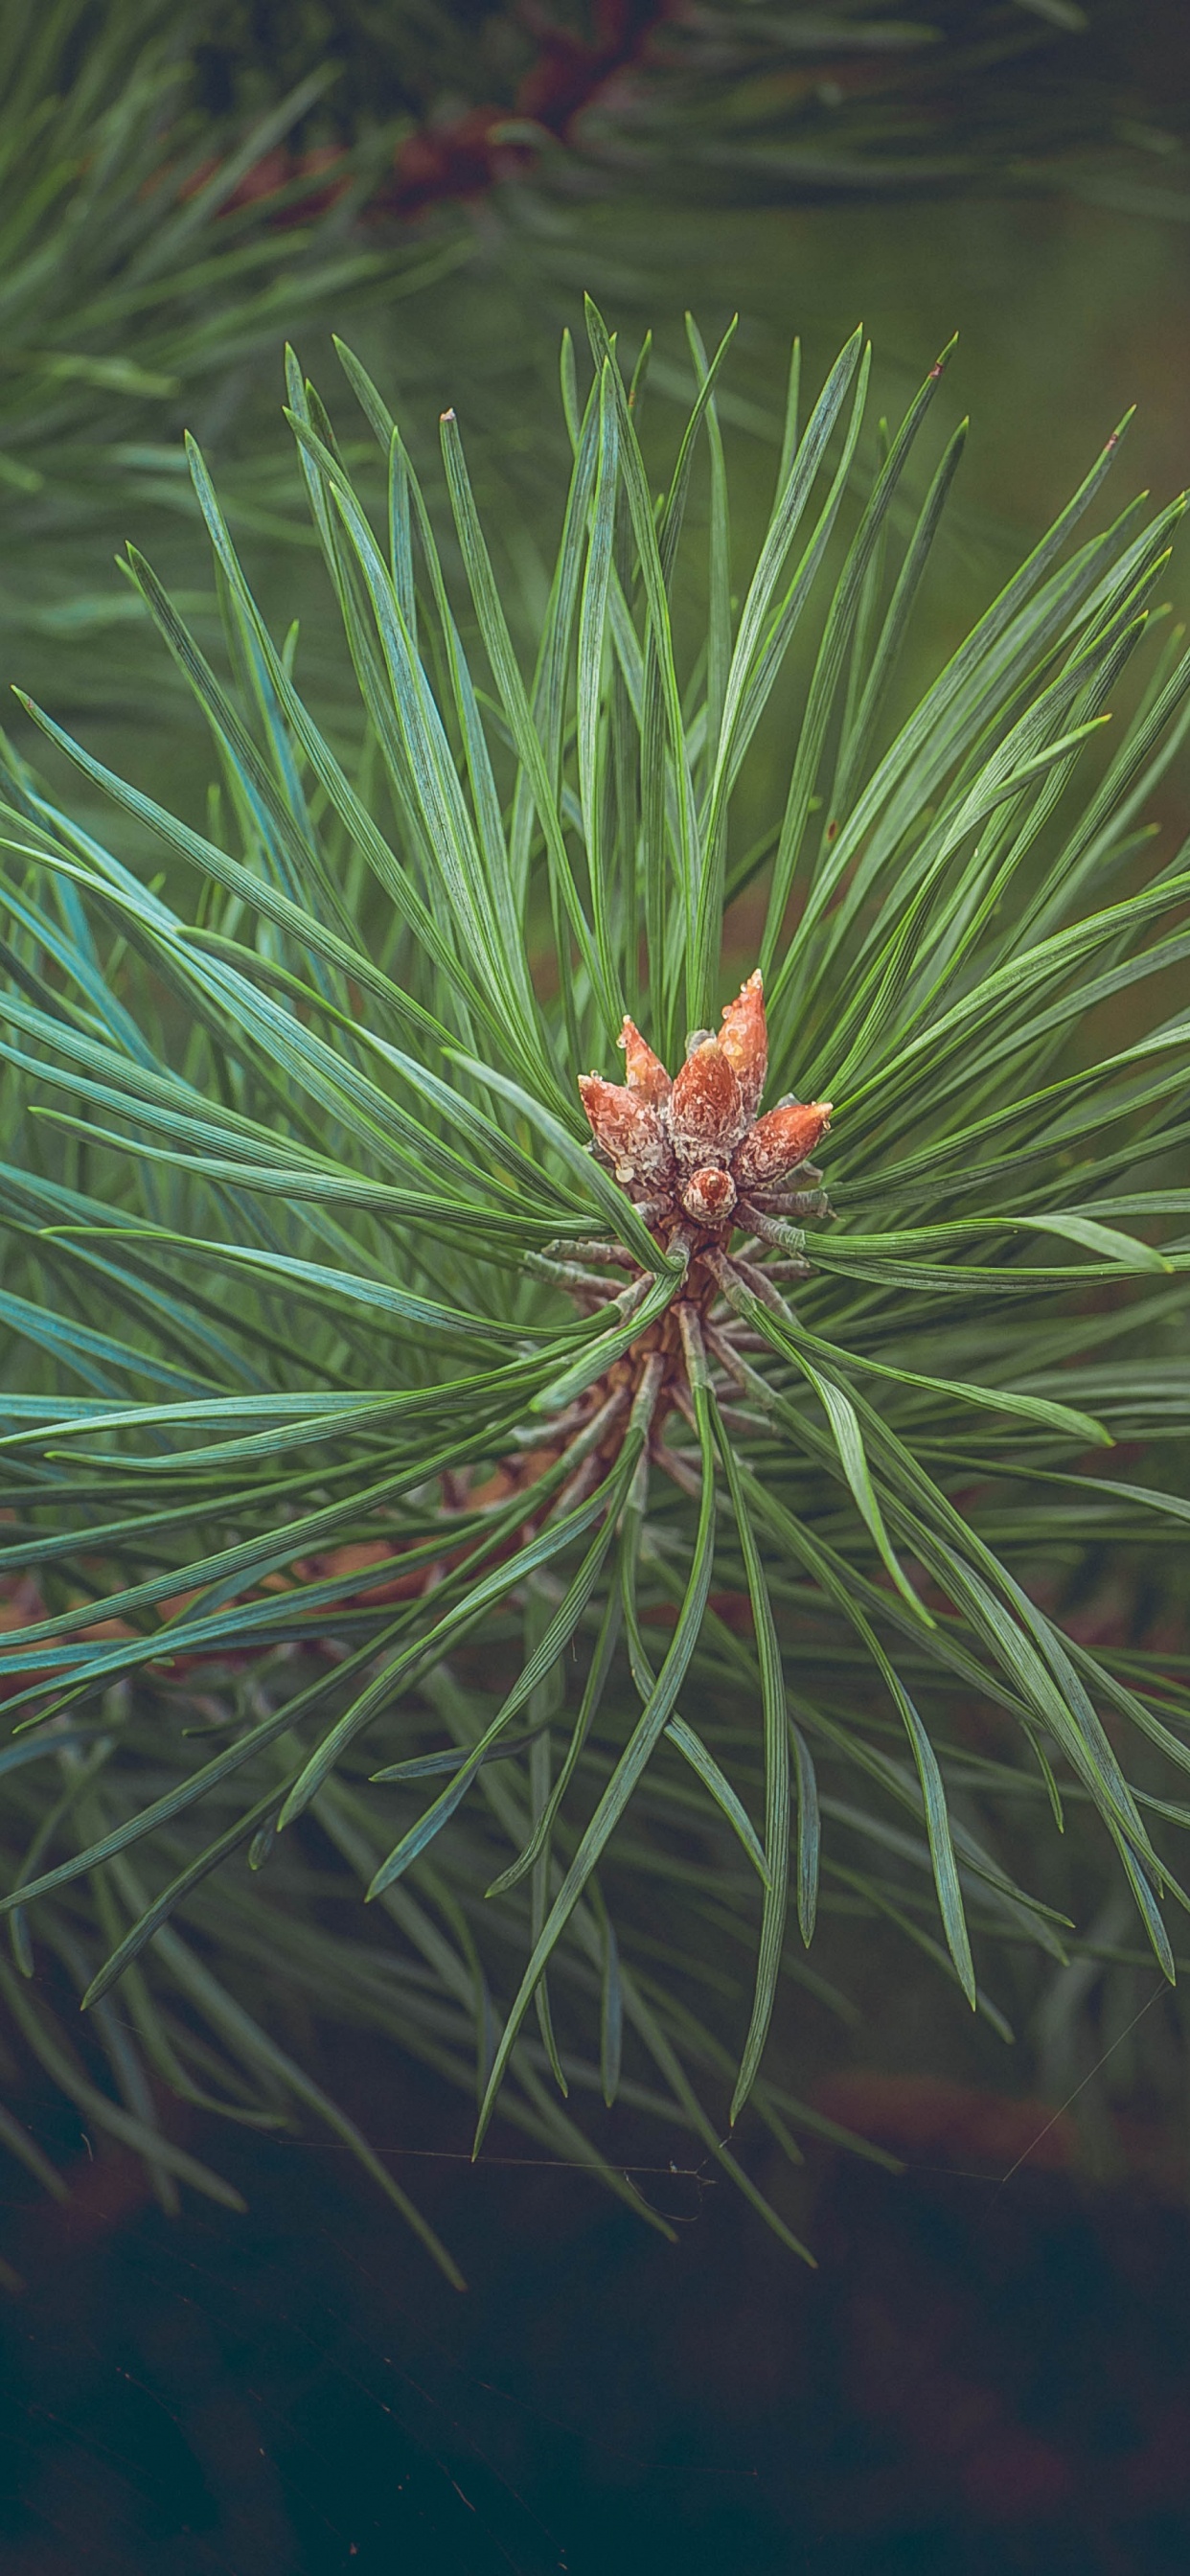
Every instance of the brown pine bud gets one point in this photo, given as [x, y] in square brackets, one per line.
[630, 1132]
[745, 1041]
[779, 1142]
[645, 1072]
[706, 1108]
[709, 1195]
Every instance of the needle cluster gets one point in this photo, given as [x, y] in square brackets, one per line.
[435, 1471]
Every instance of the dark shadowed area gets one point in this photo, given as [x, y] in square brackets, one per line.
[979, 2377]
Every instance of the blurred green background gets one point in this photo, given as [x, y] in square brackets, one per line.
[1021, 179]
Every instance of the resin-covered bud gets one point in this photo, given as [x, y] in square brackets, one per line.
[706, 1106]
[693, 1148]
[709, 1195]
[644, 1071]
[779, 1142]
[744, 1039]
[630, 1132]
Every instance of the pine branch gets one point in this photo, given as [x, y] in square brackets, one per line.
[538, 1480]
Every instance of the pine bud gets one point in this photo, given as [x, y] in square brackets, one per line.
[706, 1109]
[779, 1142]
[745, 1041]
[630, 1132]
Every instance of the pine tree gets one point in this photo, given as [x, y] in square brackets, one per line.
[598, 1533]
